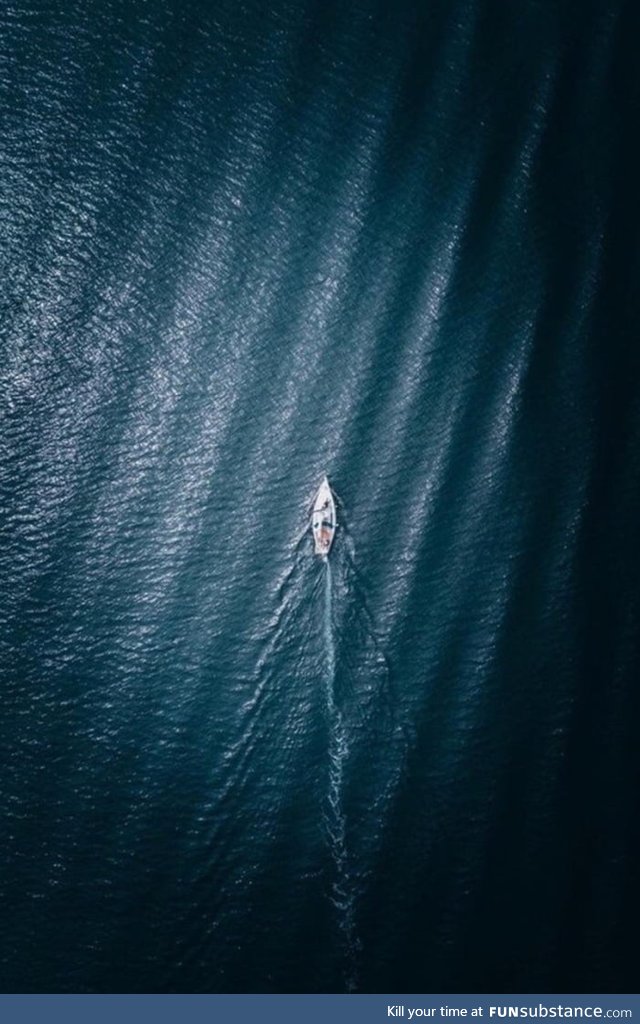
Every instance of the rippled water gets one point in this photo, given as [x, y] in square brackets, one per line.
[245, 244]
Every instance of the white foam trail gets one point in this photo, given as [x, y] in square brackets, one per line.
[342, 890]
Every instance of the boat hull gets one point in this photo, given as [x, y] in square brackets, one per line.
[323, 519]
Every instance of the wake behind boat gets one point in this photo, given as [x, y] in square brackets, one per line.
[323, 519]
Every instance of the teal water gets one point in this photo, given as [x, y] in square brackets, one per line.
[243, 245]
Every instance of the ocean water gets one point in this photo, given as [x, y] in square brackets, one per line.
[244, 244]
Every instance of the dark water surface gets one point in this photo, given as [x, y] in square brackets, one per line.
[244, 244]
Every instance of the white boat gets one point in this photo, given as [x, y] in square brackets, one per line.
[323, 519]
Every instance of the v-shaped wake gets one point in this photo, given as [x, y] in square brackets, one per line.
[342, 889]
